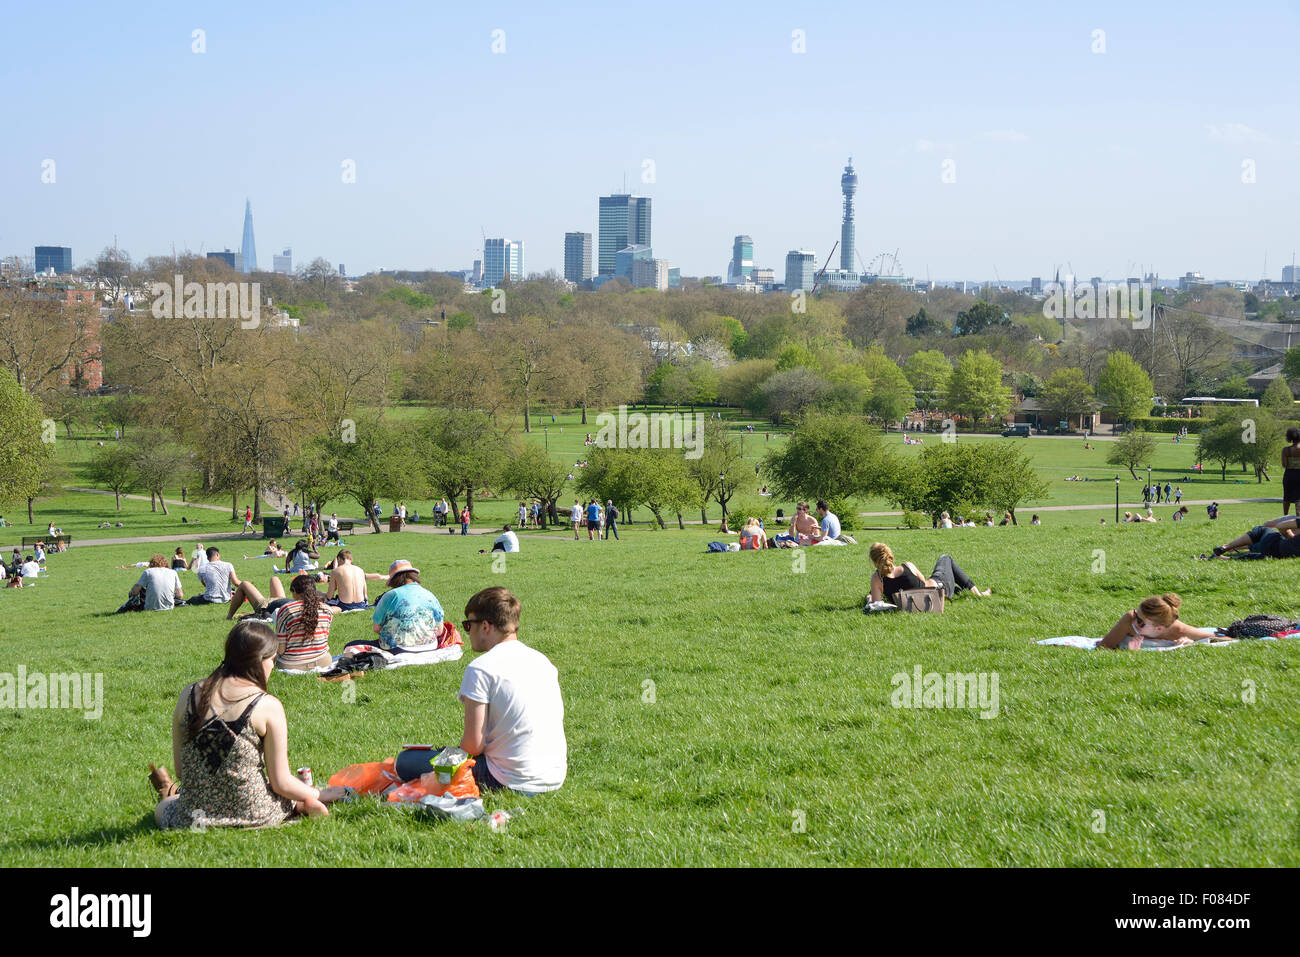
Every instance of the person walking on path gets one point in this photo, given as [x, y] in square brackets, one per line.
[611, 519]
[248, 521]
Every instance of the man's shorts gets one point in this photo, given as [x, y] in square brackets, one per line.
[1265, 541]
[348, 605]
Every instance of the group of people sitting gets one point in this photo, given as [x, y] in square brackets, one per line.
[1008, 518]
[804, 529]
[22, 566]
[230, 735]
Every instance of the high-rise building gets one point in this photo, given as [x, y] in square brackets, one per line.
[650, 274]
[765, 277]
[848, 186]
[283, 263]
[674, 276]
[231, 259]
[1290, 274]
[476, 274]
[800, 269]
[577, 257]
[1036, 286]
[628, 255]
[58, 258]
[624, 221]
[502, 258]
[342, 271]
[248, 249]
[742, 260]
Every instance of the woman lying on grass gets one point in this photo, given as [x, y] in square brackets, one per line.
[224, 729]
[890, 577]
[1156, 617]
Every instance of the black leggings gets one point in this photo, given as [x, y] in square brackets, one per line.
[950, 575]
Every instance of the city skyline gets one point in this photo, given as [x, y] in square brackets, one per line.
[1066, 162]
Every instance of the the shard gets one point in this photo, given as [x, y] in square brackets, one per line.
[248, 250]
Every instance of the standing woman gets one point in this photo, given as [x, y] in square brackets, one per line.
[230, 742]
[1291, 471]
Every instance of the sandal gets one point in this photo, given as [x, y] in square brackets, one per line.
[162, 782]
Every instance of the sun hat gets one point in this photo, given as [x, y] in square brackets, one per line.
[399, 566]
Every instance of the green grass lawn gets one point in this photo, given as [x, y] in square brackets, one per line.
[714, 703]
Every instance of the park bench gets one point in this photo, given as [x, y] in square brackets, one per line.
[346, 526]
[30, 540]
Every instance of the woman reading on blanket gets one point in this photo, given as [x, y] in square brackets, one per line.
[302, 628]
[230, 742]
[1156, 617]
[891, 577]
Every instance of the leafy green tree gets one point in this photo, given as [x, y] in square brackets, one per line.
[796, 356]
[532, 473]
[980, 317]
[380, 462]
[831, 457]
[929, 371]
[892, 395]
[461, 451]
[1261, 441]
[23, 456]
[976, 389]
[922, 324]
[944, 477]
[739, 384]
[308, 476]
[1131, 451]
[1278, 398]
[1009, 477]
[719, 472]
[1221, 440]
[663, 482]
[1291, 364]
[113, 467]
[1067, 392]
[1124, 387]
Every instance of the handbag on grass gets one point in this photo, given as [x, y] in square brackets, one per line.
[921, 599]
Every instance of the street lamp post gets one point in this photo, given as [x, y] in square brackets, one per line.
[1116, 499]
[546, 437]
[1149, 482]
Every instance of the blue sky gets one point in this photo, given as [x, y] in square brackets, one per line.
[1101, 160]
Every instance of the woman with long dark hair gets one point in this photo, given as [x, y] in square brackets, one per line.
[302, 627]
[230, 742]
[892, 576]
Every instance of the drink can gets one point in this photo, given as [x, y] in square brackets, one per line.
[304, 775]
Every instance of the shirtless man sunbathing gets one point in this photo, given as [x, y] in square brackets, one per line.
[347, 589]
[802, 527]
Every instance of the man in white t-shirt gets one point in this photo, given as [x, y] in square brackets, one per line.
[218, 579]
[507, 541]
[575, 516]
[514, 713]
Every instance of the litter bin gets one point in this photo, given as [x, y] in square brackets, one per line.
[275, 527]
[394, 523]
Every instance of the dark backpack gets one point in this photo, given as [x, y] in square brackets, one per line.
[612, 513]
[1258, 626]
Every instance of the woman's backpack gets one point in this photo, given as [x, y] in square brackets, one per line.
[1258, 626]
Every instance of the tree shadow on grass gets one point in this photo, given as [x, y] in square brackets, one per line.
[99, 837]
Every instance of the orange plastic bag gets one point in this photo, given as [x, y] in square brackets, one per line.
[370, 778]
[462, 785]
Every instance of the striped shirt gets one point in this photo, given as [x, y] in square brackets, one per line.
[291, 629]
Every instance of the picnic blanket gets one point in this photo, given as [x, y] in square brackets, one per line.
[401, 660]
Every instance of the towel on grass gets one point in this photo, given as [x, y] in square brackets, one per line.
[1148, 644]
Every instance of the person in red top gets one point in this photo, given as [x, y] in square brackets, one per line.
[302, 628]
[464, 520]
[248, 520]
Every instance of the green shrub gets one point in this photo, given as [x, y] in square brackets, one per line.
[913, 519]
